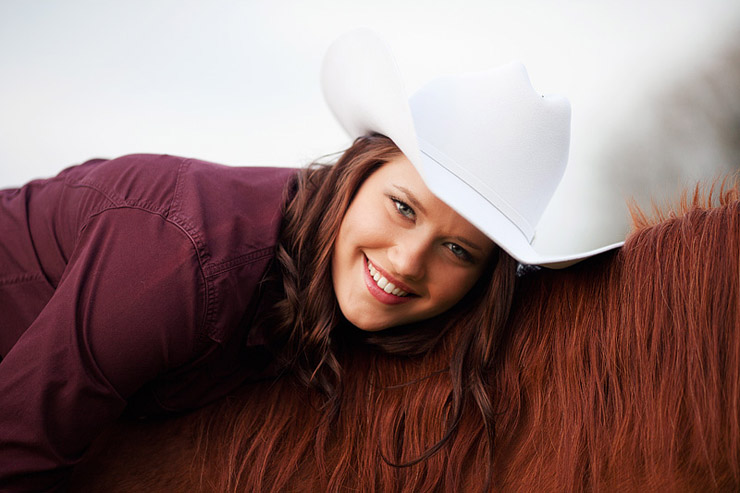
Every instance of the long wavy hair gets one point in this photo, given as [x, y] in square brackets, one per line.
[307, 327]
[621, 373]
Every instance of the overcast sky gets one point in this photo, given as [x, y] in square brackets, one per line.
[237, 81]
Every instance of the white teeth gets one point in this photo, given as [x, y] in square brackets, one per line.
[383, 283]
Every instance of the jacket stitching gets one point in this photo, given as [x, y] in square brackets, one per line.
[175, 202]
[21, 278]
[245, 259]
[209, 295]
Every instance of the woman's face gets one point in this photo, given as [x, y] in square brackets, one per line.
[402, 255]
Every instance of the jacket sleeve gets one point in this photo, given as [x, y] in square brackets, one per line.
[128, 306]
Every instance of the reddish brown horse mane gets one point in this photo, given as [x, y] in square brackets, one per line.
[621, 373]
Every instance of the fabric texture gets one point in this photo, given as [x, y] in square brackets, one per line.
[126, 285]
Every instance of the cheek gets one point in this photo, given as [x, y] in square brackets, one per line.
[348, 230]
[364, 226]
[341, 257]
[351, 239]
[451, 287]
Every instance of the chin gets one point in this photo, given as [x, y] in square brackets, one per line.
[369, 327]
[367, 323]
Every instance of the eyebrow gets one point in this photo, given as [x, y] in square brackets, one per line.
[411, 198]
[417, 205]
[467, 242]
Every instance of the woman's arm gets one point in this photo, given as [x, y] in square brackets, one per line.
[129, 305]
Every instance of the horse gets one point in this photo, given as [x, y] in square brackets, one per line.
[620, 373]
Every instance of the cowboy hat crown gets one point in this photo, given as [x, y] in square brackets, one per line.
[485, 143]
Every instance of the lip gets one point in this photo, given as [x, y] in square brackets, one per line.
[381, 295]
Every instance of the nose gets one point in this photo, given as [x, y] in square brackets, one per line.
[408, 257]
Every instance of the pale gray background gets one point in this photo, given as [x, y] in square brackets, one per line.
[237, 82]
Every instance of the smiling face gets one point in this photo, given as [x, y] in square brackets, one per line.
[402, 255]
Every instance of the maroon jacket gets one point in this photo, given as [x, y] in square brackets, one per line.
[125, 284]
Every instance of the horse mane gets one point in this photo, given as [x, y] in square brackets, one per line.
[624, 370]
[621, 373]
[720, 193]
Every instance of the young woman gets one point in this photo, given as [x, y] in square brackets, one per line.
[156, 284]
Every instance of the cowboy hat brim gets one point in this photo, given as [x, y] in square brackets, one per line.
[364, 89]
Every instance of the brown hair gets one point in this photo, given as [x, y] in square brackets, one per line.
[626, 375]
[308, 327]
[621, 373]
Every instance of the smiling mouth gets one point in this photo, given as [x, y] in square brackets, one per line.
[384, 283]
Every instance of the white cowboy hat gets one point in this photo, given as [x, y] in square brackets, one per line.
[485, 143]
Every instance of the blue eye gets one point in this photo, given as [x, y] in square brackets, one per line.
[403, 208]
[459, 252]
